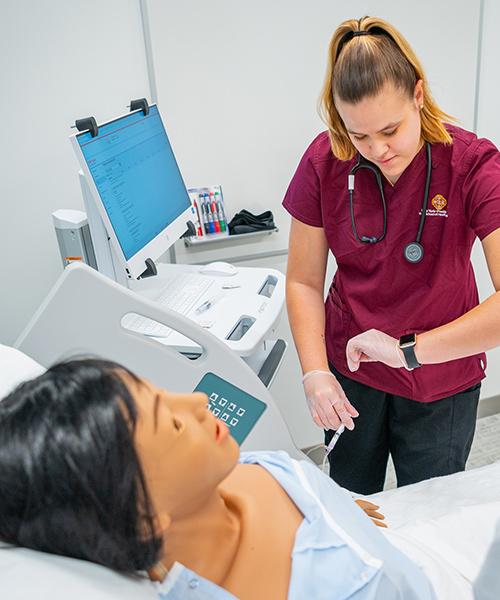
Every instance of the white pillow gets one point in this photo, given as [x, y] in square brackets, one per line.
[16, 367]
[27, 574]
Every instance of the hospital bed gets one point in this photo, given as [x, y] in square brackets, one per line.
[82, 316]
[84, 307]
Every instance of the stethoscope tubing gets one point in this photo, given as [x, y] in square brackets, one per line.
[376, 172]
[426, 192]
[364, 164]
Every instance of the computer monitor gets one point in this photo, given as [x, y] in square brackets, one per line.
[136, 184]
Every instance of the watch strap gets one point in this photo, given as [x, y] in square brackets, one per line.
[408, 349]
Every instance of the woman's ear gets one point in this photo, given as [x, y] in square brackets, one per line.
[418, 94]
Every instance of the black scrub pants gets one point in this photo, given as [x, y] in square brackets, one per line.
[425, 439]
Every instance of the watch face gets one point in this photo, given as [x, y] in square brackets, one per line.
[407, 340]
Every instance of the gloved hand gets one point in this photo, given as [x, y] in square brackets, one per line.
[374, 346]
[327, 402]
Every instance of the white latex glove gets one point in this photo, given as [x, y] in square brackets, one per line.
[374, 346]
[327, 402]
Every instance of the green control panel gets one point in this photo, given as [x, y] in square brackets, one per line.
[239, 410]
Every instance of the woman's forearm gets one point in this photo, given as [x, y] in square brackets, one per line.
[474, 332]
[306, 313]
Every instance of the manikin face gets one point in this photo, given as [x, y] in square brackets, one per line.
[385, 128]
[185, 452]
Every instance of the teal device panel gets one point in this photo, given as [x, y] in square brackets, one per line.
[239, 410]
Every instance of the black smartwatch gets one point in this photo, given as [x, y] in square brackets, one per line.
[407, 344]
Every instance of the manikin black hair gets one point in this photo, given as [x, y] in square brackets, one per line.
[70, 479]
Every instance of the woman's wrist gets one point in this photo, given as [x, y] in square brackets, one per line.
[309, 374]
[313, 358]
[308, 367]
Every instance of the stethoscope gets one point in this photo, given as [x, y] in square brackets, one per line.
[414, 251]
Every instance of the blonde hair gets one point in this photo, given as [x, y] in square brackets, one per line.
[360, 65]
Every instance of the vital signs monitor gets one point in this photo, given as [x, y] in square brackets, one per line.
[137, 186]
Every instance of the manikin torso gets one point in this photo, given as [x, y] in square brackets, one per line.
[262, 566]
[259, 563]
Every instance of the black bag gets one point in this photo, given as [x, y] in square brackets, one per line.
[245, 222]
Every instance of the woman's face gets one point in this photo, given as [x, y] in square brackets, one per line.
[385, 128]
[185, 452]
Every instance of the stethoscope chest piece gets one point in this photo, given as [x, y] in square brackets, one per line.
[414, 252]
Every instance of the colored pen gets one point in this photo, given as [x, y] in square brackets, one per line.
[213, 209]
[203, 214]
[199, 230]
[220, 210]
[210, 219]
[221, 216]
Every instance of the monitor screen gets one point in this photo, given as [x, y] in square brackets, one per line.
[136, 176]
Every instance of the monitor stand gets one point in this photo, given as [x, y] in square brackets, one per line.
[108, 262]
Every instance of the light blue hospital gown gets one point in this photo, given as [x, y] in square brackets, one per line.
[338, 553]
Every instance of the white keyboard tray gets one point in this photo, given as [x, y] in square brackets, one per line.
[244, 310]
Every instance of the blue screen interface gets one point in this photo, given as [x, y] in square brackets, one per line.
[137, 177]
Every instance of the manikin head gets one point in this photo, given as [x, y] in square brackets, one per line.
[96, 463]
[376, 100]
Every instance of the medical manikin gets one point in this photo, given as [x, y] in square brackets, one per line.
[173, 499]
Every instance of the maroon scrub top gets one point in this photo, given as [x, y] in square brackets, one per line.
[374, 286]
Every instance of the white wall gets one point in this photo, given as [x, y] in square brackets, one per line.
[488, 125]
[59, 61]
[237, 85]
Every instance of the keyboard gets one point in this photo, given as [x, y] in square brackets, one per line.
[183, 293]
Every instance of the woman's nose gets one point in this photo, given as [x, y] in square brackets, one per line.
[379, 149]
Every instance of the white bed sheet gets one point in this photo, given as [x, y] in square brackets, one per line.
[437, 497]
[447, 525]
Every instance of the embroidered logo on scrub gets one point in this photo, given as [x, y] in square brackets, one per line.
[439, 203]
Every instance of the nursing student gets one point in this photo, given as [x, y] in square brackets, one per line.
[398, 195]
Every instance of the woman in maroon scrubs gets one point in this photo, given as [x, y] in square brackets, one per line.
[398, 195]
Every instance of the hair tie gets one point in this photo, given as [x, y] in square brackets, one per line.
[352, 34]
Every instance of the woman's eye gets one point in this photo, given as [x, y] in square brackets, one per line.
[388, 133]
[359, 137]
